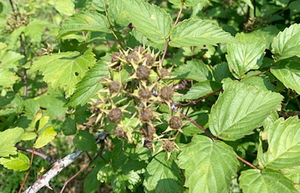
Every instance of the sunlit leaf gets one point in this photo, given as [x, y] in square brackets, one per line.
[45, 137]
[287, 43]
[269, 181]
[9, 138]
[241, 108]
[284, 140]
[196, 32]
[19, 162]
[208, 165]
[163, 175]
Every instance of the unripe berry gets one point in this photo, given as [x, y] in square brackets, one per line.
[144, 93]
[149, 59]
[142, 72]
[166, 93]
[115, 57]
[132, 57]
[175, 122]
[163, 72]
[120, 133]
[114, 86]
[168, 145]
[146, 115]
[115, 115]
[148, 143]
[147, 130]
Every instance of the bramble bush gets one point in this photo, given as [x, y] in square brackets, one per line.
[162, 96]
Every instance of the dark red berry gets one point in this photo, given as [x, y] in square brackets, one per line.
[175, 122]
[146, 115]
[114, 86]
[142, 72]
[115, 115]
[166, 93]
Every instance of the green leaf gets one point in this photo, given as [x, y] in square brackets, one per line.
[187, 3]
[249, 3]
[284, 140]
[193, 70]
[9, 138]
[201, 89]
[267, 181]
[240, 109]
[152, 21]
[20, 162]
[209, 165]
[7, 78]
[35, 30]
[85, 141]
[197, 32]
[64, 7]
[288, 72]
[287, 43]
[69, 126]
[89, 85]
[220, 72]
[163, 175]
[84, 21]
[31, 106]
[64, 69]
[45, 137]
[117, 13]
[245, 54]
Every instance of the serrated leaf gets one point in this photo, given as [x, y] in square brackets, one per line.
[89, 85]
[84, 21]
[9, 138]
[267, 181]
[197, 32]
[193, 70]
[245, 54]
[20, 162]
[116, 12]
[152, 21]
[45, 137]
[64, 69]
[201, 89]
[288, 72]
[240, 109]
[187, 3]
[64, 7]
[7, 78]
[163, 175]
[287, 43]
[220, 72]
[209, 165]
[35, 30]
[284, 141]
[85, 141]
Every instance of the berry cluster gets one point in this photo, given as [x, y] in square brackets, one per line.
[128, 105]
[16, 20]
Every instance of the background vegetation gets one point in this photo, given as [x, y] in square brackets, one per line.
[191, 95]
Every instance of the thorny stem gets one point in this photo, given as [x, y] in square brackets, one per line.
[45, 157]
[168, 39]
[248, 163]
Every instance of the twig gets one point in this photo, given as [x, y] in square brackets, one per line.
[27, 173]
[58, 166]
[199, 126]
[179, 13]
[248, 163]
[83, 168]
[45, 157]
[12, 5]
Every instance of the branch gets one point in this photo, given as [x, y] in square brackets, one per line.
[248, 163]
[45, 157]
[58, 166]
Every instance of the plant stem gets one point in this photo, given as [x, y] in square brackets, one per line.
[45, 157]
[247, 163]
[200, 127]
